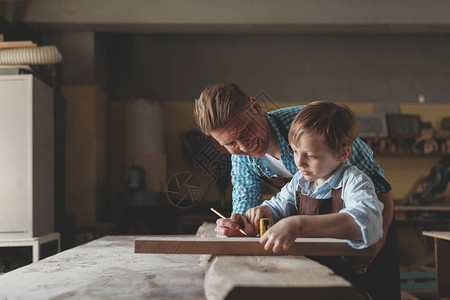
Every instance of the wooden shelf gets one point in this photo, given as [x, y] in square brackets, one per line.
[409, 155]
[422, 208]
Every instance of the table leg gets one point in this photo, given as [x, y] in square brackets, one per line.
[36, 250]
[442, 250]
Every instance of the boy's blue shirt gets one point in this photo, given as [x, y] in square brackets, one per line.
[358, 195]
[245, 175]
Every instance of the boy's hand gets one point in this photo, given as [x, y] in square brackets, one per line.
[230, 227]
[280, 236]
[255, 214]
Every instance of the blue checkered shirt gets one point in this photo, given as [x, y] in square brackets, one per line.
[245, 175]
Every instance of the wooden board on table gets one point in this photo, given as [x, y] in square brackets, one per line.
[444, 235]
[265, 277]
[244, 246]
[16, 44]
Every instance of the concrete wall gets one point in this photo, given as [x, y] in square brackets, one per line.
[233, 16]
[349, 68]
[78, 52]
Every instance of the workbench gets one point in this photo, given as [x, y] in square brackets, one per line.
[109, 268]
[422, 215]
[106, 268]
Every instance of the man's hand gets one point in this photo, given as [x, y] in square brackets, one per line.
[230, 227]
[281, 236]
[255, 214]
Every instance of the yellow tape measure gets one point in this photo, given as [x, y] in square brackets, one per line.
[264, 225]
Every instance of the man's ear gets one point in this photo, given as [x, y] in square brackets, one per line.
[255, 105]
[345, 153]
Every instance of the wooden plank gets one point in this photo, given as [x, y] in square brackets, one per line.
[445, 235]
[266, 277]
[421, 208]
[244, 246]
[16, 44]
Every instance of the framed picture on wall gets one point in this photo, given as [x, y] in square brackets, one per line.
[403, 126]
[372, 125]
[445, 124]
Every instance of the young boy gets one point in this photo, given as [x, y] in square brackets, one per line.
[327, 197]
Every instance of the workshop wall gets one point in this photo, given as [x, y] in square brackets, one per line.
[86, 151]
[298, 68]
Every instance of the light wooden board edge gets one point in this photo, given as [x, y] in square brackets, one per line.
[445, 235]
[244, 246]
[421, 208]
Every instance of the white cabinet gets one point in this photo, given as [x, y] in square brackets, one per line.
[26, 157]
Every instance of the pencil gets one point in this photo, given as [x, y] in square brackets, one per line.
[220, 215]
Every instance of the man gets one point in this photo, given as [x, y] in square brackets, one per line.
[260, 151]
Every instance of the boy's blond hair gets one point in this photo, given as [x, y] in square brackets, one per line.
[218, 104]
[335, 123]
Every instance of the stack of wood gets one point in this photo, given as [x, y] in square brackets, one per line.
[15, 44]
[240, 268]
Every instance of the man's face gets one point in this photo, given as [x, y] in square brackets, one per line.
[245, 134]
[315, 159]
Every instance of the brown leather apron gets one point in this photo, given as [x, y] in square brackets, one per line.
[277, 182]
[377, 276]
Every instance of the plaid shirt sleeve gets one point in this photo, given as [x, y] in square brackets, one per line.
[246, 184]
[362, 157]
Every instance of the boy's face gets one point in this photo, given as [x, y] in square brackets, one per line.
[315, 159]
[246, 134]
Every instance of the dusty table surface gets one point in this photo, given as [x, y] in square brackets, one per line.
[106, 268]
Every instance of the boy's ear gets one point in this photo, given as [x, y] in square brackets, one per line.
[345, 153]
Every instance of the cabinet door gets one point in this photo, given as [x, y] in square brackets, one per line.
[15, 154]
